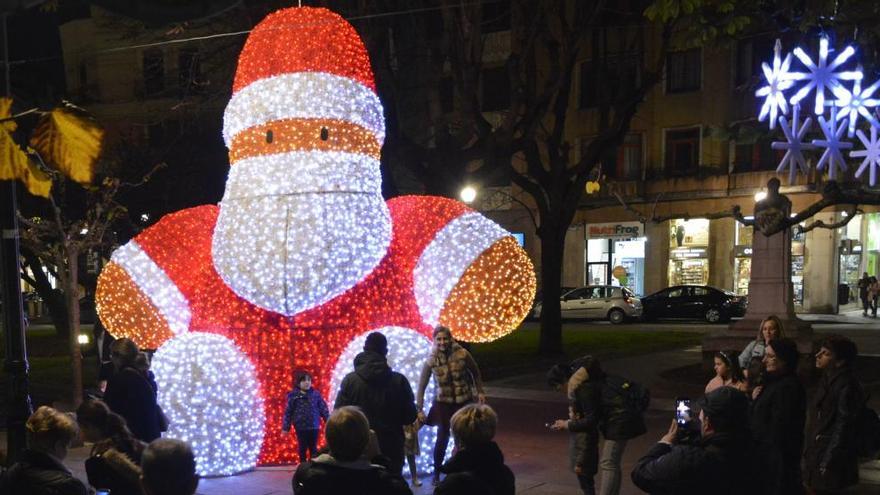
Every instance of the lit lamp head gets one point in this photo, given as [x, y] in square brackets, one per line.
[302, 219]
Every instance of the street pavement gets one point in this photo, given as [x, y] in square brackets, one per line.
[539, 457]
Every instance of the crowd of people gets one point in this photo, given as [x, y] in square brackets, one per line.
[755, 431]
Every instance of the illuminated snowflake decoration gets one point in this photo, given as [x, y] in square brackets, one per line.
[871, 155]
[822, 75]
[778, 80]
[852, 104]
[408, 351]
[833, 144]
[849, 104]
[794, 145]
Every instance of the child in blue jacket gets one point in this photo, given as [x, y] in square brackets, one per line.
[305, 409]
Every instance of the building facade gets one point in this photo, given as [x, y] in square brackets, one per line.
[689, 153]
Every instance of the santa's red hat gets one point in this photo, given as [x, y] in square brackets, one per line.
[303, 63]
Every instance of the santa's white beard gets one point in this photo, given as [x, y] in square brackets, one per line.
[291, 252]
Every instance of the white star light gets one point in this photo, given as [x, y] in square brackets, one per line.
[821, 75]
[778, 80]
[871, 155]
[856, 102]
[794, 145]
[833, 144]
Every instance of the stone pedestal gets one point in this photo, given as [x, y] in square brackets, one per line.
[770, 293]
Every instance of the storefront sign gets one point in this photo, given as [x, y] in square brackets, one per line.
[742, 251]
[620, 230]
[687, 252]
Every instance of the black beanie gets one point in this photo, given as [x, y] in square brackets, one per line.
[377, 343]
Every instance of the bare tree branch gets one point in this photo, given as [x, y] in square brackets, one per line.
[851, 212]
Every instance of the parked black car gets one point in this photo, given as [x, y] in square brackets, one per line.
[693, 302]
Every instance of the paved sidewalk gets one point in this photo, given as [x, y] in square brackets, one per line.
[538, 457]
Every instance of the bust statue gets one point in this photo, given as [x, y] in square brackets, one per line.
[773, 212]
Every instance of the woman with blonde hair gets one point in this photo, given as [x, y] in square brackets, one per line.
[478, 464]
[751, 357]
[39, 470]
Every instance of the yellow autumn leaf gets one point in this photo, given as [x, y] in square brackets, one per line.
[14, 162]
[70, 141]
[5, 113]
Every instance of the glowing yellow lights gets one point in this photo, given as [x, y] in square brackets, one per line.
[493, 296]
[126, 311]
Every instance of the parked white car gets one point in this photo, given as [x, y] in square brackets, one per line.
[600, 302]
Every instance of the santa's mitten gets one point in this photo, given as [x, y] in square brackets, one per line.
[142, 293]
[468, 273]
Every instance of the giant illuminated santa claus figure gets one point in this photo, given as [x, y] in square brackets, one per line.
[302, 257]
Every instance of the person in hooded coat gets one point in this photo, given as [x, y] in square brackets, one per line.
[385, 397]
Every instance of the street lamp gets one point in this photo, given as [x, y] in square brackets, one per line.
[468, 194]
[82, 339]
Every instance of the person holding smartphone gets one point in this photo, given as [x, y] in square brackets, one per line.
[718, 463]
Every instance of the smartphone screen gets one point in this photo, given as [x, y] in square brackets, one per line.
[102, 491]
[682, 410]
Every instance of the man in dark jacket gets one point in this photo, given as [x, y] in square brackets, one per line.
[346, 468]
[718, 464]
[831, 456]
[39, 470]
[385, 397]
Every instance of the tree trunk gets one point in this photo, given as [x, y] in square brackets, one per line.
[552, 247]
[54, 299]
[71, 290]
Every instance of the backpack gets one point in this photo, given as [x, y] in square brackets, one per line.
[634, 397]
[623, 405]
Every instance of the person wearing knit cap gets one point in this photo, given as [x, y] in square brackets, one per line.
[376, 342]
[385, 396]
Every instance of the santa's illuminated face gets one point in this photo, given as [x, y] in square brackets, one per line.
[302, 219]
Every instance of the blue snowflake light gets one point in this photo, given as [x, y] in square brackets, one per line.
[871, 155]
[793, 145]
[778, 80]
[856, 102]
[822, 75]
[833, 144]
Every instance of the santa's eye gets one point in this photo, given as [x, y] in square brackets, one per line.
[325, 134]
[269, 136]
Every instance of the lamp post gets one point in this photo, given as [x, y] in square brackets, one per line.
[18, 402]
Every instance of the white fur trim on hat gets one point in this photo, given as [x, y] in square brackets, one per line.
[303, 95]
